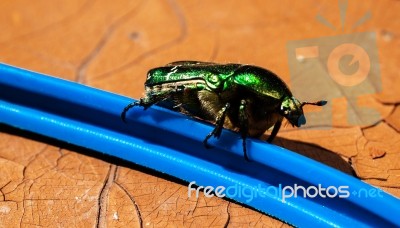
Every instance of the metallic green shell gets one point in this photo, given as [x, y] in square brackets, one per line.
[261, 81]
[221, 77]
[212, 74]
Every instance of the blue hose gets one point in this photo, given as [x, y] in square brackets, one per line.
[171, 143]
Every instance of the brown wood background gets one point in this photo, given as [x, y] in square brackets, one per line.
[111, 45]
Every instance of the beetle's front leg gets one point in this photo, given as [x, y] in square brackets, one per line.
[150, 99]
[275, 130]
[244, 125]
[219, 122]
[142, 102]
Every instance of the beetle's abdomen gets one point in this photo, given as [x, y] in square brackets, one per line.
[260, 126]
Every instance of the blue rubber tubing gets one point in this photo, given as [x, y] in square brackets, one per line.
[171, 143]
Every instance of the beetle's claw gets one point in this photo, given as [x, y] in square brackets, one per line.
[245, 150]
[246, 158]
[205, 143]
[129, 106]
[217, 132]
[123, 116]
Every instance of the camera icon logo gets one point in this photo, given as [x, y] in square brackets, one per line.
[360, 58]
[343, 66]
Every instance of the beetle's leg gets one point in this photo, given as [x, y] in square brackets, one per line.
[275, 130]
[244, 126]
[129, 106]
[150, 99]
[144, 102]
[219, 122]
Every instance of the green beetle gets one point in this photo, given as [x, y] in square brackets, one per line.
[244, 98]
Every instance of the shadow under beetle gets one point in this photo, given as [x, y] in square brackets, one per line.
[244, 98]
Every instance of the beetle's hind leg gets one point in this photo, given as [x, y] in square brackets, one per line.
[244, 126]
[219, 123]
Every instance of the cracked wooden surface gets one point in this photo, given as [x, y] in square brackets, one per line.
[111, 45]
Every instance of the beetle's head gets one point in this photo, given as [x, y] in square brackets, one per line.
[292, 110]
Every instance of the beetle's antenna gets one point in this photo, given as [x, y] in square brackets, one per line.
[318, 103]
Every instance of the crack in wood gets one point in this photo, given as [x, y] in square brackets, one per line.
[81, 71]
[229, 215]
[103, 198]
[138, 213]
[49, 27]
[1, 190]
[182, 36]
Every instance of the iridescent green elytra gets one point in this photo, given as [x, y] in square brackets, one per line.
[244, 98]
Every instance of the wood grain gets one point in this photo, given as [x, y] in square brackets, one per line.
[111, 45]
